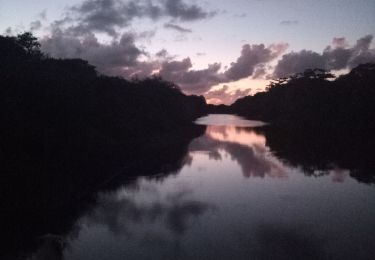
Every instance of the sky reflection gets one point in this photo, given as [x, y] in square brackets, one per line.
[225, 203]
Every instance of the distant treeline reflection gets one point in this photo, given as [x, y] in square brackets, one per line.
[316, 153]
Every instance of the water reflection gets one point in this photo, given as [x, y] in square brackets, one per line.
[324, 153]
[286, 243]
[139, 223]
[242, 145]
[123, 212]
[232, 198]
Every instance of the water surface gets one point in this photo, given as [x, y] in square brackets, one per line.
[232, 199]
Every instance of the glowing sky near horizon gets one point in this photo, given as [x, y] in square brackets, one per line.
[217, 36]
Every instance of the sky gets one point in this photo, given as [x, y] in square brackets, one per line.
[221, 49]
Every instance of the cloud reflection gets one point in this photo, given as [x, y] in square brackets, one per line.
[244, 146]
[121, 211]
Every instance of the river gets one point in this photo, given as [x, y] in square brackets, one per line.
[233, 198]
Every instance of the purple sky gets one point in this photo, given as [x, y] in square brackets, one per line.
[221, 49]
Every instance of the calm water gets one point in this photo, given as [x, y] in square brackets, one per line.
[232, 199]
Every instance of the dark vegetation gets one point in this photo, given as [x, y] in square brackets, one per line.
[313, 99]
[68, 132]
[318, 122]
[218, 109]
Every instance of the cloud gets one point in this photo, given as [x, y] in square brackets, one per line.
[121, 214]
[147, 35]
[297, 62]
[241, 15]
[103, 15]
[339, 42]
[122, 57]
[163, 53]
[259, 72]
[289, 22]
[184, 12]
[224, 95]
[75, 36]
[191, 81]
[177, 28]
[35, 25]
[361, 52]
[251, 57]
[334, 57]
[110, 16]
[108, 58]
[141, 69]
[43, 14]
[8, 31]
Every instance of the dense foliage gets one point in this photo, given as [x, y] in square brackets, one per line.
[319, 123]
[54, 105]
[313, 99]
[66, 131]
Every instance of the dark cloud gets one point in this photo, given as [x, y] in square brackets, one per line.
[35, 25]
[177, 28]
[361, 52]
[297, 62]
[191, 81]
[334, 57]
[339, 42]
[185, 12]
[108, 58]
[103, 15]
[74, 36]
[147, 35]
[110, 16]
[162, 53]
[8, 31]
[289, 22]
[251, 57]
[140, 70]
[260, 72]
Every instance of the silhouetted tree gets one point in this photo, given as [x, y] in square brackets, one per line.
[66, 130]
[314, 98]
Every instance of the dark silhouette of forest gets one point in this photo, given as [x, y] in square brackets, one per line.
[68, 132]
[319, 122]
[314, 98]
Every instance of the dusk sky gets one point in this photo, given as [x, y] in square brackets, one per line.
[220, 49]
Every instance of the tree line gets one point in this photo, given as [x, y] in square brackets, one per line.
[67, 131]
[315, 98]
[318, 121]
